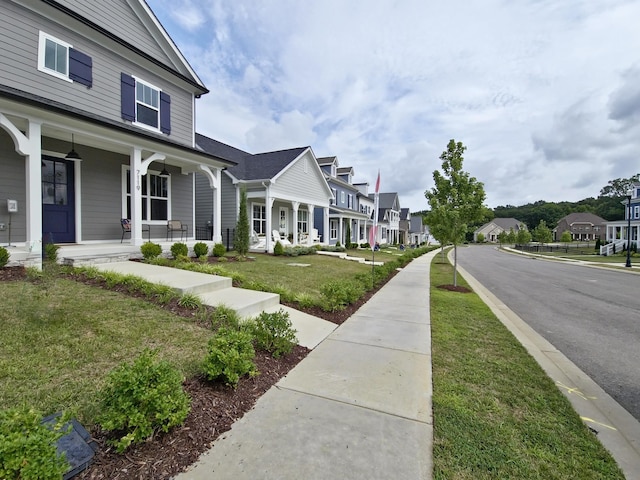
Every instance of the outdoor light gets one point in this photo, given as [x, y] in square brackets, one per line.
[628, 264]
[164, 171]
[73, 155]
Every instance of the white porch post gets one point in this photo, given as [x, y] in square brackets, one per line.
[33, 172]
[135, 186]
[311, 209]
[325, 227]
[29, 144]
[294, 221]
[214, 178]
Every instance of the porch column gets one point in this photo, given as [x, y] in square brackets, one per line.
[325, 225]
[310, 208]
[135, 186]
[29, 144]
[269, 213]
[214, 178]
[296, 207]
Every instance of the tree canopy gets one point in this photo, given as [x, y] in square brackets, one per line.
[456, 200]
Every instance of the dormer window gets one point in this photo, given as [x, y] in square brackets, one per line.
[334, 170]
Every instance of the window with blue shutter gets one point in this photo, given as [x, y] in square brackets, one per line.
[80, 67]
[144, 104]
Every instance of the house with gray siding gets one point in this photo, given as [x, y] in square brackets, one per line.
[286, 192]
[388, 218]
[349, 220]
[492, 230]
[97, 120]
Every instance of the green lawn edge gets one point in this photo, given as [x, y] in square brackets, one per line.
[496, 413]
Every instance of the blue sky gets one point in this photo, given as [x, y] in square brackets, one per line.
[545, 94]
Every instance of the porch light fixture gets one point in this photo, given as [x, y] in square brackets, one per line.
[629, 194]
[73, 155]
[165, 172]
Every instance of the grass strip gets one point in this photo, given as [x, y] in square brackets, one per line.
[496, 413]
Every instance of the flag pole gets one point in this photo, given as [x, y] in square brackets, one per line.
[374, 229]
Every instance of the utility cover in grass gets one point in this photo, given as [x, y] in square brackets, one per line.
[77, 445]
[299, 264]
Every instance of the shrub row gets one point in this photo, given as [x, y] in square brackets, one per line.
[179, 250]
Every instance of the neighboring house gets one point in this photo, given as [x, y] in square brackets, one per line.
[418, 233]
[582, 226]
[491, 230]
[366, 205]
[617, 231]
[91, 92]
[286, 192]
[388, 217]
[346, 214]
[404, 226]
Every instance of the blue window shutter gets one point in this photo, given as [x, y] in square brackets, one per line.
[165, 113]
[128, 97]
[80, 67]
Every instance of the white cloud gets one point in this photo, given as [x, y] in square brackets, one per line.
[544, 94]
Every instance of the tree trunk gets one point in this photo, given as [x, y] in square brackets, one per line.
[455, 265]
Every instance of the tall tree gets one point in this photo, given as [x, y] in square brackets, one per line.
[619, 187]
[456, 200]
[241, 238]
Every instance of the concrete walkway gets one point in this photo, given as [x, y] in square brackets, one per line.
[357, 407]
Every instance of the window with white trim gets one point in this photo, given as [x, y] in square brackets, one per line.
[53, 56]
[349, 201]
[333, 229]
[147, 104]
[303, 221]
[636, 211]
[259, 218]
[155, 196]
[59, 59]
[342, 199]
[334, 200]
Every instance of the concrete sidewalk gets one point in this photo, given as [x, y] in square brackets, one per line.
[357, 407]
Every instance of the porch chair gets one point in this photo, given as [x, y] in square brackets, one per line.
[177, 226]
[283, 241]
[315, 238]
[125, 223]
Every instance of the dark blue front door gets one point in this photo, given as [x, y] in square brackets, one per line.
[58, 201]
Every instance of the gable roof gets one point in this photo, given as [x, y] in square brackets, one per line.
[415, 224]
[386, 200]
[404, 213]
[507, 223]
[583, 217]
[250, 167]
[327, 160]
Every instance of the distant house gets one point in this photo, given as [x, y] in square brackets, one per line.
[491, 230]
[618, 230]
[404, 226]
[388, 217]
[418, 233]
[582, 226]
[286, 191]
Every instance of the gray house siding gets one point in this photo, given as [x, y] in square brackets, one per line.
[19, 69]
[12, 183]
[204, 201]
[118, 17]
[229, 206]
[303, 181]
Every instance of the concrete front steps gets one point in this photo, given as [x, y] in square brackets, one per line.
[215, 291]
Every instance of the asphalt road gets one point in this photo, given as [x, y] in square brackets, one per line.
[591, 315]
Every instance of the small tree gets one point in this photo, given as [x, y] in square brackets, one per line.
[480, 238]
[512, 238]
[542, 233]
[566, 237]
[241, 238]
[523, 237]
[456, 200]
[503, 237]
[347, 242]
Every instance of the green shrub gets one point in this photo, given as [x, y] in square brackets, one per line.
[337, 294]
[4, 257]
[230, 356]
[150, 250]
[218, 250]
[28, 447]
[225, 317]
[200, 249]
[51, 251]
[278, 249]
[190, 300]
[223, 259]
[179, 249]
[273, 333]
[299, 250]
[142, 397]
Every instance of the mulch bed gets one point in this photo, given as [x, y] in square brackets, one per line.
[455, 288]
[214, 407]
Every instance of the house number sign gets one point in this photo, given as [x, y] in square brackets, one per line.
[137, 179]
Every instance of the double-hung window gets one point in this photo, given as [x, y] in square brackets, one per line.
[155, 196]
[334, 200]
[303, 221]
[333, 229]
[144, 104]
[59, 59]
[259, 218]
